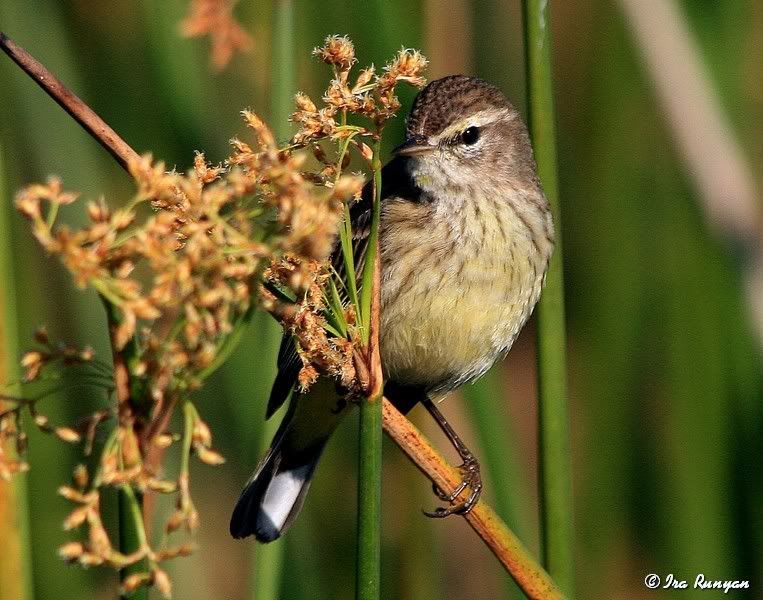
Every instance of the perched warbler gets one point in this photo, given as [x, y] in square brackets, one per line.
[466, 235]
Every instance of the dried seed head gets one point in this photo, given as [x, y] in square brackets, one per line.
[210, 457]
[175, 521]
[76, 517]
[408, 66]
[80, 476]
[67, 434]
[364, 78]
[162, 582]
[134, 581]
[348, 187]
[304, 103]
[32, 362]
[214, 18]
[41, 421]
[98, 211]
[201, 433]
[71, 551]
[337, 51]
[163, 440]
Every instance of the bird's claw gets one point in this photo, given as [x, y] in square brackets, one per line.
[472, 479]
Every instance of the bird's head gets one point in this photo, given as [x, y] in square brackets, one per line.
[462, 132]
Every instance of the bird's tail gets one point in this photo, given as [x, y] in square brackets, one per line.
[274, 495]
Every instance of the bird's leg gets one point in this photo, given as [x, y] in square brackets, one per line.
[470, 470]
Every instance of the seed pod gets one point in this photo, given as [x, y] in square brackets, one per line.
[201, 433]
[175, 521]
[210, 457]
[163, 440]
[365, 151]
[76, 518]
[161, 486]
[67, 434]
[71, 551]
[90, 560]
[70, 494]
[80, 476]
[130, 451]
[162, 582]
[134, 581]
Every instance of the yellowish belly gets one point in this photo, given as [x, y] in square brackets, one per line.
[450, 309]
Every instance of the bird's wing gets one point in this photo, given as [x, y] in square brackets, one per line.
[395, 183]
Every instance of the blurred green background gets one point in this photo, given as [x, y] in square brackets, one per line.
[665, 357]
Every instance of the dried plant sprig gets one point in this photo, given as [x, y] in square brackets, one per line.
[328, 326]
[177, 282]
[372, 97]
[46, 356]
[215, 234]
[214, 18]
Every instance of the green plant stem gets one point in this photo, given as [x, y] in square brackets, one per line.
[131, 539]
[553, 426]
[366, 293]
[368, 578]
[16, 566]
[267, 560]
[130, 510]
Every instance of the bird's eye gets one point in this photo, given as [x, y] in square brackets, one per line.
[470, 136]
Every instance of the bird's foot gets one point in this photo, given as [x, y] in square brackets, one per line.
[471, 479]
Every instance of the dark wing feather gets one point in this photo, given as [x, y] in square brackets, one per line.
[396, 183]
[289, 365]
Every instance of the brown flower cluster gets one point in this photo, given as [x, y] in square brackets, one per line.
[372, 96]
[180, 268]
[323, 323]
[215, 19]
[322, 352]
[178, 280]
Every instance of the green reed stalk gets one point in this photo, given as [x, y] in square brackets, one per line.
[130, 538]
[268, 559]
[368, 577]
[130, 503]
[368, 582]
[16, 565]
[553, 415]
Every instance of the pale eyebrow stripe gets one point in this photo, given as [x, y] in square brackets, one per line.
[476, 120]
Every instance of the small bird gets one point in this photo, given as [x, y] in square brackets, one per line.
[466, 236]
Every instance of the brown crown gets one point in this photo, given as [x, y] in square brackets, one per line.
[450, 98]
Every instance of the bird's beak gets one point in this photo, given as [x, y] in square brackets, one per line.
[413, 147]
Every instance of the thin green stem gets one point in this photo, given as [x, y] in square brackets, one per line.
[368, 578]
[131, 538]
[132, 535]
[51, 220]
[554, 445]
[16, 566]
[190, 414]
[366, 293]
[345, 239]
